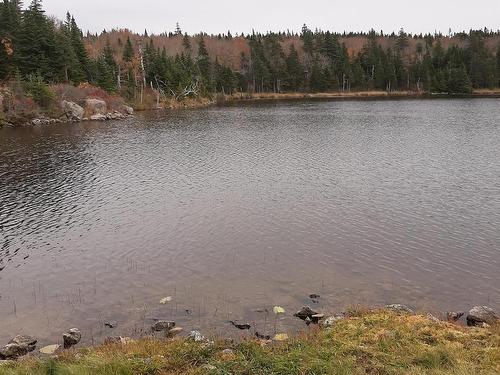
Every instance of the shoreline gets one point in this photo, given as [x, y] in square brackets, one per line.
[241, 98]
[359, 340]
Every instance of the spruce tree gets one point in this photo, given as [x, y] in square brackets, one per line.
[204, 65]
[128, 52]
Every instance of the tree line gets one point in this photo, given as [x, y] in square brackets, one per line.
[36, 48]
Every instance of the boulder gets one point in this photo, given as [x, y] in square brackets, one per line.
[72, 110]
[397, 307]
[479, 315]
[18, 346]
[305, 313]
[162, 325]
[72, 337]
[96, 106]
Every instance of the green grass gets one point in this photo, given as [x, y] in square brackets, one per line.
[376, 342]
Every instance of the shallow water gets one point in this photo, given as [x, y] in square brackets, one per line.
[231, 209]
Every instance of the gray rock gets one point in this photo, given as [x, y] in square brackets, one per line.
[162, 325]
[479, 315]
[72, 337]
[128, 110]
[228, 352]
[433, 318]
[174, 331]
[72, 110]
[305, 312]
[50, 349]
[317, 317]
[18, 346]
[331, 320]
[96, 106]
[397, 307]
[452, 316]
[196, 336]
[98, 117]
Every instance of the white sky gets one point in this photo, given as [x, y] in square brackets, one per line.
[218, 16]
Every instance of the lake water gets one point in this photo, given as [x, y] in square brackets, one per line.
[236, 208]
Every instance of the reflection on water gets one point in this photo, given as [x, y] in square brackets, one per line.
[231, 209]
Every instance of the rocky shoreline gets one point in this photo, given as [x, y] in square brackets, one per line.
[22, 345]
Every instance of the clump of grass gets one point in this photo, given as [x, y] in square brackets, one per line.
[368, 342]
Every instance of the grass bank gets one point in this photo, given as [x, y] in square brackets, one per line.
[368, 342]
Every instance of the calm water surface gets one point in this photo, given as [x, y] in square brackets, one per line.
[232, 209]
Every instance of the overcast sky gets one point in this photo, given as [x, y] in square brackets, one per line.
[218, 16]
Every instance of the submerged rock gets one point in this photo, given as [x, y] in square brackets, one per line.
[18, 346]
[397, 307]
[479, 315]
[305, 313]
[162, 325]
[241, 326]
[111, 324]
[71, 338]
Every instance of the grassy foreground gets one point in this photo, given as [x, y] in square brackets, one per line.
[376, 342]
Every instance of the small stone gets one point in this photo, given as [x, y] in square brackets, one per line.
[397, 307]
[162, 325]
[481, 314]
[128, 110]
[433, 318]
[112, 340]
[175, 331]
[331, 320]
[72, 337]
[50, 349]
[98, 117]
[452, 316]
[317, 317]
[196, 336]
[305, 312]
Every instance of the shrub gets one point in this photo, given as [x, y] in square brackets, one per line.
[41, 93]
